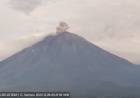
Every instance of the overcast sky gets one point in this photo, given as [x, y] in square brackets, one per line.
[111, 24]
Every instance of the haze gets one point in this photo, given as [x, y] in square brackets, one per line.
[111, 24]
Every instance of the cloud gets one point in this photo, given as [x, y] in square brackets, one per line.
[25, 6]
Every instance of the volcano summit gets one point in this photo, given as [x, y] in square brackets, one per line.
[68, 62]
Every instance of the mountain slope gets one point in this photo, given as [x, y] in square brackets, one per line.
[67, 62]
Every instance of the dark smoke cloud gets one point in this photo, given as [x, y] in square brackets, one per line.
[25, 6]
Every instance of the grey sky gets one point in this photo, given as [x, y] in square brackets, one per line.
[103, 22]
[25, 6]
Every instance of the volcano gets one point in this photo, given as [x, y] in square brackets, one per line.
[68, 62]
